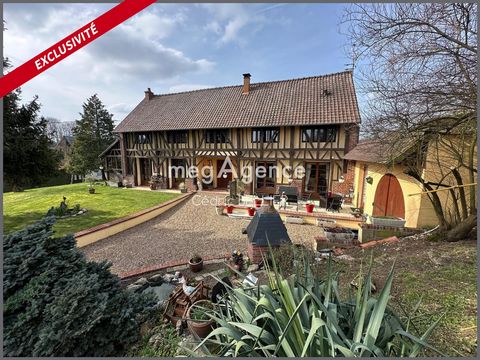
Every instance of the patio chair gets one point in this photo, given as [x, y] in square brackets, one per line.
[305, 197]
[335, 202]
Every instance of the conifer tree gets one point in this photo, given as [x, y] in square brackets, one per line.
[93, 133]
[56, 303]
[28, 155]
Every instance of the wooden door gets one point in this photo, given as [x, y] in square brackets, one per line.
[145, 171]
[315, 181]
[389, 198]
[265, 184]
[222, 181]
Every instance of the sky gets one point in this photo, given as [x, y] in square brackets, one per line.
[172, 48]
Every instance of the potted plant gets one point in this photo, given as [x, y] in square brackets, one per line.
[182, 187]
[258, 202]
[198, 321]
[91, 188]
[155, 182]
[309, 207]
[230, 209]
[251, 211]
[196, 263]
[241, 187]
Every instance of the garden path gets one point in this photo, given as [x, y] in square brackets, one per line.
[179, 233]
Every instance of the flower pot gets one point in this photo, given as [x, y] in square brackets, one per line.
[230, 209]
[91, 191]
[153, 186]
[195, 266]
[251, 211]
[219, 210]
[201, 329]
[309, 208]
[258, 202]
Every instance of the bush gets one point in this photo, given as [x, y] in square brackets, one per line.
[304, 316]
[56, 303]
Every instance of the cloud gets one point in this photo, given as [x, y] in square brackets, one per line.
[229, 21]
[118, 66]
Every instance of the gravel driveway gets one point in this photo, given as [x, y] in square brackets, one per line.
[179, 233]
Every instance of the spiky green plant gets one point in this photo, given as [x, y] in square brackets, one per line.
[303, 316]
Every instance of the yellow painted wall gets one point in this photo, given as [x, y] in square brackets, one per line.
[418, 212]
[439, 159]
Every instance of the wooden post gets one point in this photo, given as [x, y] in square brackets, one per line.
[123, 155]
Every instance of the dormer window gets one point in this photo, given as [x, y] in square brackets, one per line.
[177, 137]
[219, 136]
[266, 135]
[143, 138]
[319, 134]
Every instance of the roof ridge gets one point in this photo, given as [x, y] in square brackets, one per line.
[256, 83]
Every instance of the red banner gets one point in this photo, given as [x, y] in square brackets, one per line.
[70, 44]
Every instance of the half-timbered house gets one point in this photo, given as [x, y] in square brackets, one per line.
[311, 122]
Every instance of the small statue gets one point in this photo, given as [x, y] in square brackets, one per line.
[237, 260]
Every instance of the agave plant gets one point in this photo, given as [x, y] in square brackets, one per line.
[303, 316]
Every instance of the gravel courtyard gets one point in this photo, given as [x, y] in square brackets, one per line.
[179, 233]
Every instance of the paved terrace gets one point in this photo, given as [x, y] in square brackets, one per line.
[178, 234]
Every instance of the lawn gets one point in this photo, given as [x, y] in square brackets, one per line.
[108, 203]
[443, 275]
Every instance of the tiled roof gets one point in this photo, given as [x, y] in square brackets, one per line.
[276, 103]
[385, 151]
[368, 151]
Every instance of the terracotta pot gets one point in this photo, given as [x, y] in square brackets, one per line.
[91, 190]
[258, 202]
[230, 209]
[309, 208]
[195, 267]
[153, 186]
[251, 211]
[199, 328]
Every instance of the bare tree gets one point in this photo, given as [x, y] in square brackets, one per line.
[57, 129]
[416, 64]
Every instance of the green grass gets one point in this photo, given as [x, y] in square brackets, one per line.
[108, 203]
[449, 290]
[442, 274]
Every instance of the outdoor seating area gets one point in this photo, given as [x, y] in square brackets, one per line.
[333, 204]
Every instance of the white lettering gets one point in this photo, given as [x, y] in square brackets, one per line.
[93, 28]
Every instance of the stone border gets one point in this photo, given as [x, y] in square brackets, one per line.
[102, 231]
[171, 265]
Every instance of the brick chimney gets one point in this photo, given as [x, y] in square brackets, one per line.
[148, 94]
[246, 83]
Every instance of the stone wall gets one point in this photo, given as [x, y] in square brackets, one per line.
[371, 232]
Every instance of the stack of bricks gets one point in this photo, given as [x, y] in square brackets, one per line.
[255, 252]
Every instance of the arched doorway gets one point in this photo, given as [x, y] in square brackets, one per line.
[389, 198]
